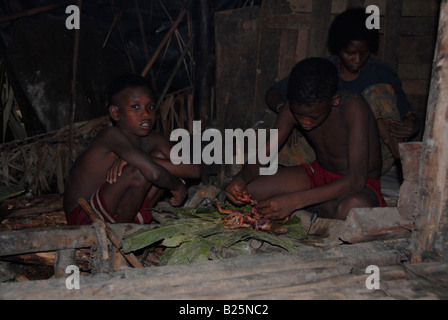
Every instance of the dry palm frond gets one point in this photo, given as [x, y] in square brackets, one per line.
[40, 163]
[176, 111]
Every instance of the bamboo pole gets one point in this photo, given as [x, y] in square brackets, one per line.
[114, 23]
[180, 41]
[121, 32]
[173, 73]
[34, 11]
[73, 87]
[163, 42]
[142, 30]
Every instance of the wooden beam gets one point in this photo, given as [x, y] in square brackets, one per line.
[296, 21]
[45, 239]
[14, 242]
[431, 237]
[264, 276]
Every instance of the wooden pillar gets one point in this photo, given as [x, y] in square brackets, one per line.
[320, 23]
[430, 241]
[411, 154]
[203, 52]
[63, 259]
[392, 30]
[100, 259]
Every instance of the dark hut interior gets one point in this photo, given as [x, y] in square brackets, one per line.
[211, 61]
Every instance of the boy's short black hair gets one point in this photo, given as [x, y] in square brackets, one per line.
[349, 26]
[313, 80]
[127, 81]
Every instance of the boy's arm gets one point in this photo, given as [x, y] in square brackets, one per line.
[284, 124]
[274, 99]
[357, 121]
[161, 155]
[277, 95]
[118, 143]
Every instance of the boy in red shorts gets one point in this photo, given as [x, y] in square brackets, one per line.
[342, 130]
[124, 171]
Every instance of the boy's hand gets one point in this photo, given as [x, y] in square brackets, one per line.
[235, 191]
[179, 195]
[278, 208]
[115, 170]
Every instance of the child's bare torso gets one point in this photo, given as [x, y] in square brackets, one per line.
[90, 169]
[331, 140]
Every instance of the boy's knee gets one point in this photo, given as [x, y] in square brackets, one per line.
[355, 200]
[134, 177]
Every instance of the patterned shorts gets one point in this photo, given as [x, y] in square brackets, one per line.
[383, 102]
[79, 217]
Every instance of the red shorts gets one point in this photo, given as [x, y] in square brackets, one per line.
[318, 176]
[79, 217]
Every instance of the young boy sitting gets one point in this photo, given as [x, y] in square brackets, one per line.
[342, 130]
[122, 173]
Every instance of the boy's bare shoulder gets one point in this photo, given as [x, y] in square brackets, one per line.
[108, 132]
[108, 135]
[105, 140]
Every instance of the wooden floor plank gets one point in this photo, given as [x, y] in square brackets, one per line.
[335, 273]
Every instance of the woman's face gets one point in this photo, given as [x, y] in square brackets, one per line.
[354, 56]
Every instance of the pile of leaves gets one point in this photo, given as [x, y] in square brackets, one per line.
[190, 235]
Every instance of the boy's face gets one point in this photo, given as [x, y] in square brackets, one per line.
[134, 110]
[354, 56]
[310, 117]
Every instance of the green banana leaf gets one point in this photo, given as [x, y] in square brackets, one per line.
[196, 250]
[142, 239]
[295, 228]
[198, 235]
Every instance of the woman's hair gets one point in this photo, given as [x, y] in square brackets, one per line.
[349, 26]
[313, 80]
